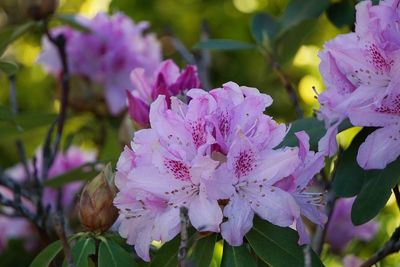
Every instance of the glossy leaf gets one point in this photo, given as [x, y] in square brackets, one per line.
[203, 250]
[113, 255]
[82, 173]
[166, 256]
[277, 246]
[81, 251]
[341, 13]
[46, 256]
[314, 128]
[263, 29]
[298, 11]
[70, 20]
[375, 192]
[11, 34]
[219, 44]
[349, 175]
[236, 257]
[9, 68]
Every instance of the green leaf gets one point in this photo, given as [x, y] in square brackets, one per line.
[349, 175]
[113, 255]
[6, 115]
[312, 126]
[166, 256]
[263, 29]
[375, 192]
[203, 250]
[236, 257]
[9, 68]
[277, 246]
[219, 44]
[9, 35]
[46, 256]
[81, 251]
[298, 11]
[70, 20]
[82, 173]
[341, 13]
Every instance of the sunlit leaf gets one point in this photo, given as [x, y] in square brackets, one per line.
[219, 44]
[277, 246]
[46, 256]
[236, 257]
[375, 192]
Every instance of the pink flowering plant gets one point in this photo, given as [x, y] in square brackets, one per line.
[142, 158]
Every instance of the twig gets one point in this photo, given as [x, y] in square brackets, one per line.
[204, 62]
[184, 237]
[13, 94]
[390, 247]
[22, 159]
[18, 207]
[307, 255]
[397, 195]
[59, 226]
[180, 47]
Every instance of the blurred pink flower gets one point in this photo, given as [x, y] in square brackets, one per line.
[352, 261]
[107, 54]
[360, 71]
[341, 231]
[166, 80]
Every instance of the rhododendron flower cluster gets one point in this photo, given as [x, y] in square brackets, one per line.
[341, 231]
[360, 70]
[73, 158]
[217, 156]
[166, 80]
[107, 54]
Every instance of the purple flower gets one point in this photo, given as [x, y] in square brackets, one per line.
[341, 231]
[106, 55]
[360, 70]
[166, 80]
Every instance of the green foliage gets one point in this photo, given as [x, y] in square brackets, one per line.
[263, 29]
[277, 246]
[82, 173]
[113, 255]
[8, 68]
[237, 257]
[46, 256]
[215, 44]
[167, 255]
[203, 250]
[342, 13]
[83, 248]
[70, 20]
[9, 35]
[375, 192]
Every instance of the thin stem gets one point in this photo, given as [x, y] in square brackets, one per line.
[59, 225]
[390, 247]
[204, 62]
[397, 195]
[22, 159]
[13, 94]
[184, 237]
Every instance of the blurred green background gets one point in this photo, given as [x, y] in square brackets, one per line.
[227, 19]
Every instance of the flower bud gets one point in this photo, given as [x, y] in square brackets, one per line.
[97, 212]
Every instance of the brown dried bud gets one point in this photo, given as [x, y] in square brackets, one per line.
[40, 9]
[97, 212]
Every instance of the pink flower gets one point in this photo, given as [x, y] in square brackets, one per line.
[218, 147]
[106, 55]
[341, 231]
[166, 80]
[360, 71]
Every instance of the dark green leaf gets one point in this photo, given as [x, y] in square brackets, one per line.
[81, 251]
[236, 257]
[314, 128]
[299, 11]
[113, 255]
[46, 256]
[375, 192]
[219, 44]
[263, 29]
[166, 256]
[341, 13]
[9, 68]
[70, 20]
[203, 250]
[82, 173]
[349, 175]
[10, 35]
[278, 246]
[6, 114]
